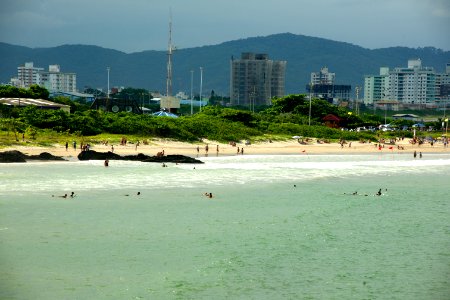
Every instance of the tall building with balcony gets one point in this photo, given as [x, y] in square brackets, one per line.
[323, 77]
[322, 85]
[412, 87]
[375, 86]
[28, 75]
[255, 79]
[54, 80]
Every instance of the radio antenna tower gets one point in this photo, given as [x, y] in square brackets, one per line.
[169, 59]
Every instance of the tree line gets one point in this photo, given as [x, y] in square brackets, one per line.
[286, 116]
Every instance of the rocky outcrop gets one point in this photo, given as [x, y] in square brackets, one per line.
[17, 156]
[94, 155]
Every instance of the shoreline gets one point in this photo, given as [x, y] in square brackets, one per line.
[262, 148]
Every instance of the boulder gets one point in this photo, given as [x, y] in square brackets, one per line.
[12, 156]
[94, 155]
[17, 156]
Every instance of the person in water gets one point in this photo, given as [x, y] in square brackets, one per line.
[64, 196]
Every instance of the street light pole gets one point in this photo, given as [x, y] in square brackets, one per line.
[107, 92]
[192, 95]
[201, 86]
[310, 99]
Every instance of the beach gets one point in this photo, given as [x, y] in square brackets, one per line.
[220, 149]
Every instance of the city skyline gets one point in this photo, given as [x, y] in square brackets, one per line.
[143, 25]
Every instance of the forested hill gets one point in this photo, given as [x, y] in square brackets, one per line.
[147, 69]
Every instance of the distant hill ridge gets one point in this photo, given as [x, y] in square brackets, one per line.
[147, 69]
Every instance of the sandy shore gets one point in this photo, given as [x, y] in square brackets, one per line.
[277, 148]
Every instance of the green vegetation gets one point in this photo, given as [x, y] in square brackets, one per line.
[288, 116]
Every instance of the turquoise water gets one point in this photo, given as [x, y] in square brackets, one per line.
[278, 227]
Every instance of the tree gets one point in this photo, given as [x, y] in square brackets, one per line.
[38, 92]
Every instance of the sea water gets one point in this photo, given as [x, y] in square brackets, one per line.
[277, 227]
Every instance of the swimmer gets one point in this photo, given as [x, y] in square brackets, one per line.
[72, 195]
[65, 196]
[379, 192]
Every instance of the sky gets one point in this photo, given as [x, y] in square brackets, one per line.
[139, 25]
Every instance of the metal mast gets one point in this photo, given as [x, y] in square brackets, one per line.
[169, 60]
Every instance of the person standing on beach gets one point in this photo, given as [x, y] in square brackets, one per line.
[415, 154]
[67, 145]
[74, 145]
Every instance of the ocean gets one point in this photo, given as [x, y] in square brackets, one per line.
[276, 227]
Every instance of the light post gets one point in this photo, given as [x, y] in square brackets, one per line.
[107, 92]
[201, 86]
[357, 89]
[192, 95]
[310, 100]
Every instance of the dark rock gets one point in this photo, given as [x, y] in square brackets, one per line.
[12, 156]
[45, 156]
[94, 155]
[17, 156]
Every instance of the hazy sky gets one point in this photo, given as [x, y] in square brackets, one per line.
[137, 25]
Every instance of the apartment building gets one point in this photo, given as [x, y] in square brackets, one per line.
[323, 77]
[322, 85]
[414, 87]
[255, 79]
[28, 75]
[54, 80]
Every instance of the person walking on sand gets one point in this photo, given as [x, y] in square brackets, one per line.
[67, 145]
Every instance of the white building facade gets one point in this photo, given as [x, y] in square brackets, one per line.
[28, 75]
[414, 87]
[54, 80]
[323, 77]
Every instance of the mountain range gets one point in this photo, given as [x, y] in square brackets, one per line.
[148, 69]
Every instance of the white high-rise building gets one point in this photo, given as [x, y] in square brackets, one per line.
[414, 86]
[376, 86]
[54, 80]
[323, 77]
[28, 75]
